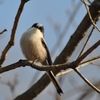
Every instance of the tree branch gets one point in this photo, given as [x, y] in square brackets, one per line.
[82, 64]
[64, 55]
[87, 52]
[78, 34]
[23, 63]
[11, 42]
[72, 65]
[59, 67]
[86, 41]
[87, 8]
[86, 80]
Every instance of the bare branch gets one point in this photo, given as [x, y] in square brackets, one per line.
[53, 67]
[64, 56]
[82, 64]
[11, 42]
[90, 60]
[64, 66]
[86, 80]
[87, 8]
[23, 63]
[78, 34]
[87, 52]
[76, 63]
[72, 65]
[86, 42]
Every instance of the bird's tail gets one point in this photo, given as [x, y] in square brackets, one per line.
[52, 77]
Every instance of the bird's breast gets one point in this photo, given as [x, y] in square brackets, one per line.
[32, 46]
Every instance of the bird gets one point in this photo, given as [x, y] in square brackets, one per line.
[34, 47]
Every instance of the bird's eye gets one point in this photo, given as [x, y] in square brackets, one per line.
[41, 29]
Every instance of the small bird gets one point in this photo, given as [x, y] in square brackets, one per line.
[34, 48]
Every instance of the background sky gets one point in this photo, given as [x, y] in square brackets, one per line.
[47, 12]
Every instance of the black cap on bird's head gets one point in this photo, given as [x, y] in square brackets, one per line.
[39, 26]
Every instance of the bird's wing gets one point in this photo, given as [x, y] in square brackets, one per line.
[50, 73]
[48, 54]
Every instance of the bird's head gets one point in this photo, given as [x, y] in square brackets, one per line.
[38, 26]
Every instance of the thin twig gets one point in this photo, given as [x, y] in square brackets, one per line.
[11, 42]
[3, 31]
[86, 42]
[72, 65]
[23, 63]
[86, 5]
[90, 60]
[81, 65]
[86, 80]
[87, 52]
